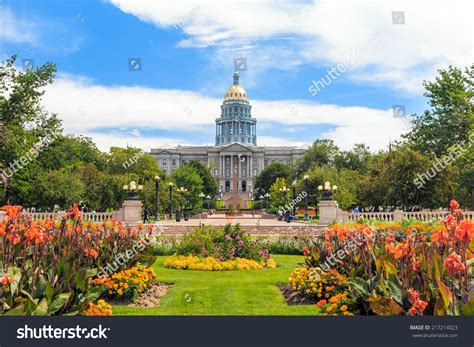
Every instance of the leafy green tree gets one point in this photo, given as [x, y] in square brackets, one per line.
[276, 195]
[322, 152]
[358, 159]
[451, 117]
[60, 187]
[23, 121]
[185, 176]
[345, 180]
[208, 182]
[269, 175]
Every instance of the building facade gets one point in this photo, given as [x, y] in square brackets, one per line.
[235, 160]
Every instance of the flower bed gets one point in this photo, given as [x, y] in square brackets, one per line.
[46, 267]
[412, 271]
[127, 284]
[191, 262]
[226, 249]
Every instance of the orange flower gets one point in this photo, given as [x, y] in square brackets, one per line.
[465, 231]
[321, 303]
[5, 279]
[91, 252]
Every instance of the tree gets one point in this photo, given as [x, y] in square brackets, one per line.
[451, 117]
[23, 122]
[395, 182]
[345, 180]
[358, 159]
[208, 182]
[60, 187]
[322, 152]
[185, 176]
[269, 175]
[276, 196]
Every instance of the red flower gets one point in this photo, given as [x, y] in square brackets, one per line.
[418, 305]
[453, 205]
[454, 264]
[5, 279]
[91, 252]
[321, 303]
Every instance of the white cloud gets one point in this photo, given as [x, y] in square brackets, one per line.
[92, 110]
[16, 30]
[284, 34]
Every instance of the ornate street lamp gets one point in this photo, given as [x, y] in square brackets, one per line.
[266, 200]
[208, 201]
[293, 186]
[157, 199]
[284, 191]
[182, 191]
[261, 197]
[132, 189]
[171, 199]
[328, 190]
[305, 180]
[202, 196]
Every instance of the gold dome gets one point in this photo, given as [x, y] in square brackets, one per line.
[236, 92]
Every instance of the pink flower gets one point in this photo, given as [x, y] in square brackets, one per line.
[227, 236]
[241, 243]
[203, 250]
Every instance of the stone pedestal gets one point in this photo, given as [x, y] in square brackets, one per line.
[327, 211]
[131, 212]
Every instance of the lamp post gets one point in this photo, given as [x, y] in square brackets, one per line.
[261, 197]
[171, 199]
[305, 180]
[208, 201]
[157, 199]
[182, 191]
[284, 191]
[293, 186]
[132, 190]
[266, 200]
[328, 190]
[202, 196]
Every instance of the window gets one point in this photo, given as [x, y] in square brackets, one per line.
[174, 162]
[164, 161]
[227, 172]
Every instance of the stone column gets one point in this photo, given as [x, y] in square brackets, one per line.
[327, 211]
[398, 215]
[131, 212]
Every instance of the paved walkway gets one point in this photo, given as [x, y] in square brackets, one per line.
[221, 219]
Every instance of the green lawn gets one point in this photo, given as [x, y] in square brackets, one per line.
[252, 292]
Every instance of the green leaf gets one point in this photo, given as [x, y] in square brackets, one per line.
[390, 269]
[17, 311]
[384, 306]
[40, 287]
[59, 302]
[468, 309]
[42, 309]
[445, 292]
[360, 286]
[15, 275]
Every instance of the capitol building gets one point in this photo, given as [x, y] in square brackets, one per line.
[235, 160]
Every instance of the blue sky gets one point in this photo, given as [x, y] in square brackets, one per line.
[186, 52]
